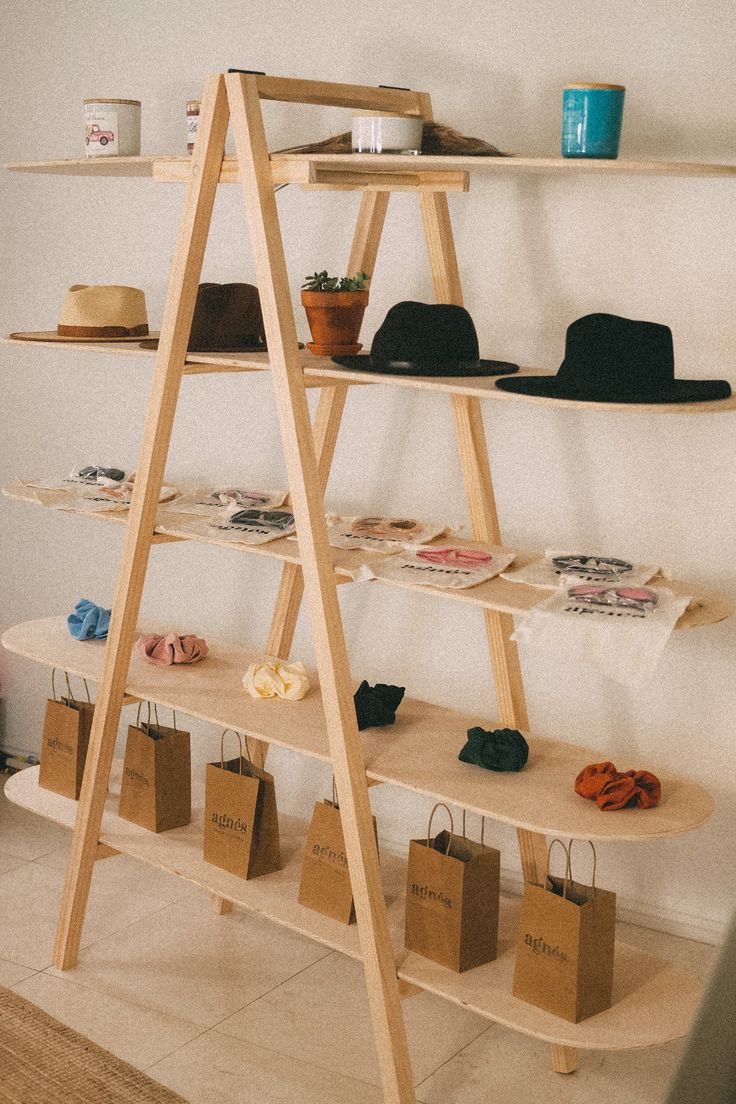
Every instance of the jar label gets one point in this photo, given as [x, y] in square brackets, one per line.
[100, 132]
[192, 124]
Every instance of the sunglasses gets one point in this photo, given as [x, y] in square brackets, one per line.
[230, 494]
[395, 528]
[636, 598]
[601, 567]
[92, 474]
[265, 519]
[458, 557]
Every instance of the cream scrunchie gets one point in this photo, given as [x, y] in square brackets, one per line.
[277, 680]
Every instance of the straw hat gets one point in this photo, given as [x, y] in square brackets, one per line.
[103, 312]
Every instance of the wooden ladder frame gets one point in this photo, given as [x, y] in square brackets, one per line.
[308, 452]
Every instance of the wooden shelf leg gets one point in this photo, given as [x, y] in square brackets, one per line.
[221, 905]
[563, 1059]
[363, 253]
[512, 710]
[319, 579]
[170, 358]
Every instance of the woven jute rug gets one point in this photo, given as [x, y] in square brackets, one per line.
[44, 1062]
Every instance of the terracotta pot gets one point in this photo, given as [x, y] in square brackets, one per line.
[334, 318]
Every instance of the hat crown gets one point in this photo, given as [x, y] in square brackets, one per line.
[101, 305]
[226, 317]
[425, 335]
[606, 354]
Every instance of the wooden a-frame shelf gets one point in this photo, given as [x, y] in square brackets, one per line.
[417, 753]
[653, 1001]
[323, 372]
[501, 595]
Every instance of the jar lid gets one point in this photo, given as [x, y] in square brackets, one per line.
[108, 99]
[192, 104]
[616, 87]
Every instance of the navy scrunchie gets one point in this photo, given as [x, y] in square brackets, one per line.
[89, 622]
[502, 749]
[376, 706]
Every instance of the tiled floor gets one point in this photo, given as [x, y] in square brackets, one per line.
[236, 1010]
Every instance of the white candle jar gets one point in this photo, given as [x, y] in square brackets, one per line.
[112, 128]
[387, 133]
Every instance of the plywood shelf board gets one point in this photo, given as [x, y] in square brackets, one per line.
[645, 1011]
[418, 753]
[323, 372]
[495, 594]
[290, 166]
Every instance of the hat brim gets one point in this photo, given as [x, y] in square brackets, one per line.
[362, 362]
[152, 343]
[681, 391]
[52, 335]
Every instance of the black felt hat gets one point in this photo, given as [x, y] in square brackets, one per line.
[618, 360]
[426, 339]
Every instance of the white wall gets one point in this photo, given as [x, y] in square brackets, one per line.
[535, 253]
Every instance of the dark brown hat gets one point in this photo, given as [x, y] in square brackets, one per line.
[227, 319]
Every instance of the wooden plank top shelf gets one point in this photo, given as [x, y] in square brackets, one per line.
[288, 167]
[418, 753]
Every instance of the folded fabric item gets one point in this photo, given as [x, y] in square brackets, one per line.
[93, 489]
[445, 566]
[277, 680]
[218, 501]
[380, 534]
[620, 631]
[560, 568]
[500, 749]
[612, 789]
[163, 651]
[375, 706]
[89, 622]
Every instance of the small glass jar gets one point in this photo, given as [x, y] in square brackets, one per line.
[192, 123]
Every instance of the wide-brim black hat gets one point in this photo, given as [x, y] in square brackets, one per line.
[609, 359]
[426, 339]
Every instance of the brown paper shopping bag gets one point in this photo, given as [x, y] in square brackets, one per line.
[66, 729]
[452, 890]
[241, 828]
[156, 788]
[325, 884]
[565, 945]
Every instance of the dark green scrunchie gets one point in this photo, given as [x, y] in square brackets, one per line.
[502, 749]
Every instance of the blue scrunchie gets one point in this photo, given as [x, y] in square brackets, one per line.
[89, 622]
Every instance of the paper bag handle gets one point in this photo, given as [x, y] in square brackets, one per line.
[482, 829]
[441, 805]
[240, 744]
[155, 715]
[335, 802]
[68, 686]
[567, 880]
[595, 859]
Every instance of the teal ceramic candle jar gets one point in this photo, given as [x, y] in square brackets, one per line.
[591, 120]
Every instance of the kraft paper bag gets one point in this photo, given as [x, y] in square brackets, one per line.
[325, 884]
[565, 946]
[241, 828]
[156, 788]
[452, 897]
[66, 730]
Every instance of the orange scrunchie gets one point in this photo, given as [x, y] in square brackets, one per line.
[612, 789]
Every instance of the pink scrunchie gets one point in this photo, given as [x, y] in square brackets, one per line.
[162, 651]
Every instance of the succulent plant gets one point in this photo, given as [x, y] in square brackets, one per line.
[321, 281]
